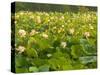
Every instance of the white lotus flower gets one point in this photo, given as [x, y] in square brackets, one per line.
[45, 35]
[49, 55]
[33, 32]
[71, 31]
[15, 22]
[87, 34]
[63, 44]
[62, 17]
[38, 19]
[46, 14]
[63, 26]
[22, 33]
[20, 49]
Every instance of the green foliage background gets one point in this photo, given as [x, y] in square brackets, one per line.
[75, 26]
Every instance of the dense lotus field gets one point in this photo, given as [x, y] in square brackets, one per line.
[55, 41]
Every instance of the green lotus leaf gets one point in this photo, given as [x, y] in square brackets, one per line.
[33, 69]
